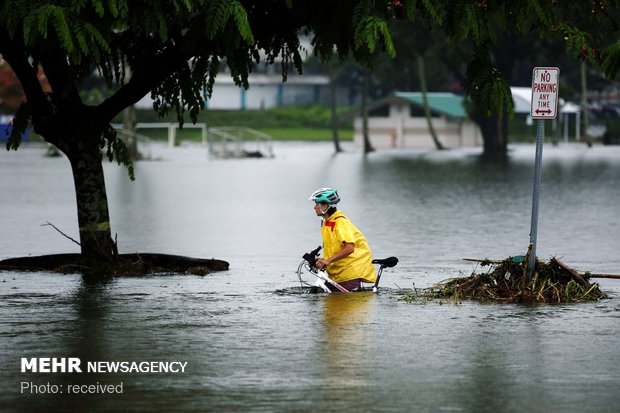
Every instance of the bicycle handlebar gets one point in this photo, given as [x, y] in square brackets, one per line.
[311, 256]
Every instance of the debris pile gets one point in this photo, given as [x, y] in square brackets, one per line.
[508, 282]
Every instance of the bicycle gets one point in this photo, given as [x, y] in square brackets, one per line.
[308, 264]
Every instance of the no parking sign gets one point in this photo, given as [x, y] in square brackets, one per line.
[545, 86]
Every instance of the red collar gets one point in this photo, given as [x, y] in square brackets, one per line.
[331, 222]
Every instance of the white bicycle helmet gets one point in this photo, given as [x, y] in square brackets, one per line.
[327, 196]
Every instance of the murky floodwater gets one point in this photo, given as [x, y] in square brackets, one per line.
[253, 342]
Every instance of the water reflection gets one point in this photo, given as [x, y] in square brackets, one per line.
[496, 362]
[92, 304]
[80, 329]
[348, 321]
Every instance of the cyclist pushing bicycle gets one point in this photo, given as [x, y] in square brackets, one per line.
[346, 255]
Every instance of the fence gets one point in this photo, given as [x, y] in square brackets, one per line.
[239, 142]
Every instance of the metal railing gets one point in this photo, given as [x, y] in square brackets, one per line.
[239, 142]
[171, 128]
[143, 140]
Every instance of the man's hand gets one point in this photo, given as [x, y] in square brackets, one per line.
[320, 263]
[347, 249]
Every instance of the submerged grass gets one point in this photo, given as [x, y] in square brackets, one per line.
[507, 281]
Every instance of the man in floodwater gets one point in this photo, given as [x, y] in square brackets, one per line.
[345, 250]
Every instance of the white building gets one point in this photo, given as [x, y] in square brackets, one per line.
[265, 91]
[398, 121]
[522, 98]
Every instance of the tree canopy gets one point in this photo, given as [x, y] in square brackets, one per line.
[175, 48]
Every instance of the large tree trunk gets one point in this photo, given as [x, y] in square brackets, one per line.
[129, 125]
[494, 131]
[427, 110]
[334, 114]
[365, 92]
[584, 102]
[92, 203]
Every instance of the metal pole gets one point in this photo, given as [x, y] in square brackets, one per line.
[540, 136]
[171, 135]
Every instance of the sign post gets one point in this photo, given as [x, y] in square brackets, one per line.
[545, 86]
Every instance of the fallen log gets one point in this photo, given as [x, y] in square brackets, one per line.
[126, 264]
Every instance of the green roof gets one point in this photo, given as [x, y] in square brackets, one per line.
[443, 102]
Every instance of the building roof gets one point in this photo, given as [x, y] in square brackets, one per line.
[444, 103]
[450, 104]
[522, 98]
[441, 102]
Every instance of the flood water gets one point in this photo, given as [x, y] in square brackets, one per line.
[253, 342]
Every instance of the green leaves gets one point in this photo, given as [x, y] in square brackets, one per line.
[218, 14]
[611, 60]
[465, 21]
[156, 38]
[116, 150]
[579, 44]
[487, 86]
[430, 8]
[241, 21]
[40, 19]
[541, 9]
[65, 26]
[575, 40]
[372, 29]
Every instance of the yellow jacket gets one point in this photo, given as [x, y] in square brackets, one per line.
[336, 230]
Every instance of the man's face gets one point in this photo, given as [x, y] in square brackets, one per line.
[319, 209]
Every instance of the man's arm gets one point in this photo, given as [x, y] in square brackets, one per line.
[347, 249]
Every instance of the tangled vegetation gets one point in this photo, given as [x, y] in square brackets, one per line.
[507, 282]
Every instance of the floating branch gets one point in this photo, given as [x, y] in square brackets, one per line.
[614, 276]
[483, 261]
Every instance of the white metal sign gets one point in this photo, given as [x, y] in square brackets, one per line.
[545, 86]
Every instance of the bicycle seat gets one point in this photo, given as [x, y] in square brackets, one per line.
[386, 262]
